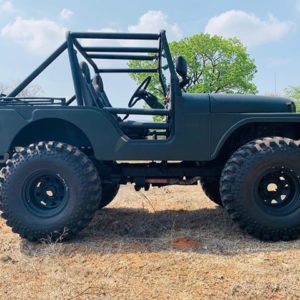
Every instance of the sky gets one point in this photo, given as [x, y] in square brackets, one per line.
[30, 30]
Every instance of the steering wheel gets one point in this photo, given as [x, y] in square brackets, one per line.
[140, 92]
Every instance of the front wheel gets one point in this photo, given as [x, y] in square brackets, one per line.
[49, 191]
[260, 188]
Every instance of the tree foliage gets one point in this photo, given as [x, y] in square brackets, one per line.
[216, 65]
[293, 92]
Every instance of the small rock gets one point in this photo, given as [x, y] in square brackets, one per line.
[236, 289]
[220, 276]
[7, 259]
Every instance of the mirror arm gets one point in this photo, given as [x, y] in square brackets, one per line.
[184, 82]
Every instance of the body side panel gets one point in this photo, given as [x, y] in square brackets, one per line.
[198, 136]
[189, 142]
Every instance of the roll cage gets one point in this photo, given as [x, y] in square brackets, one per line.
[92, 54]
[76, 43]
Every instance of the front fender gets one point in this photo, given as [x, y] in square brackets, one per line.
[224, 125]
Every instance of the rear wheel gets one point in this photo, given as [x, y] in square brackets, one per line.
[211, 188]
[260, 188]
[50, 191]
[109, 192]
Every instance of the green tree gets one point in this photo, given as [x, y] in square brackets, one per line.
[216, 65]
[293, 92]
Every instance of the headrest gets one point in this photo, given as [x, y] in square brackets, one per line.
[85, 71]
[98, 82]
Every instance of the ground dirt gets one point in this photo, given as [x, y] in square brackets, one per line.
[168, 243]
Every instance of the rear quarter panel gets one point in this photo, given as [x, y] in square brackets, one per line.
[92, 122]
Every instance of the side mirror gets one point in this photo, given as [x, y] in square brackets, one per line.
[182, 71]
[181, 67]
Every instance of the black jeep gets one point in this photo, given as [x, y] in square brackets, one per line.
[64, 159]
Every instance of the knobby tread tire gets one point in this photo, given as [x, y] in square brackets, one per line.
[86, 203]
[109, 192]
[232, 178]
[211, 188]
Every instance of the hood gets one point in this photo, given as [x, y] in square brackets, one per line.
[225, 103]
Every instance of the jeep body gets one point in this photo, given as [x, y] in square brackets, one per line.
[200, 132]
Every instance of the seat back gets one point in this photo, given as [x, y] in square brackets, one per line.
[85, 70]
[85, 76]
[99, 88]
[91, 98]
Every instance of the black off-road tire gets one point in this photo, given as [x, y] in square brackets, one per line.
[260, 188]
[109, 192]
[211, 188]
[49, 191]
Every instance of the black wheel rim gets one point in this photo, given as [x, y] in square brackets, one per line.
[45, 194]
[278, 191]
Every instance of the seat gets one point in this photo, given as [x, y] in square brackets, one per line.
[99, 88]
[92, 98]
[95, 96]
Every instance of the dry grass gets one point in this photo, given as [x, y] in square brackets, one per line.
[128, 253]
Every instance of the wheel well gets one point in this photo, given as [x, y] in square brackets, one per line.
[248, 132]
[51, 130]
